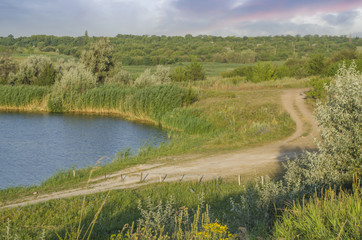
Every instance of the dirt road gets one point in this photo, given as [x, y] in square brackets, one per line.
[244, 162]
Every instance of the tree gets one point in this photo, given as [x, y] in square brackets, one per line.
[339, 149]
[340, 120]
[99, 58]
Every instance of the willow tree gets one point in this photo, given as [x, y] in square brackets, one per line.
[99, 59]
[340, 145]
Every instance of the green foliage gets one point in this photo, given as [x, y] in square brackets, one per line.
[318, 85]
[179, 75]
[155, 50]
[333, 68]
[296, 67]
[21, 96]
[98, 59]
[331, 216]
[257, 73]
[7, 66]
[316, 64]
[263, 72]
[195, 71]
[35, 70]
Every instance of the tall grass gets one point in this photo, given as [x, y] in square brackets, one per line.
[22, 96]
[331, 216]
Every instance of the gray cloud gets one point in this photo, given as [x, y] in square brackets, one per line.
[343, 18]
[174, 17]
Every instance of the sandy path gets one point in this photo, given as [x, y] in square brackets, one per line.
[235, 163]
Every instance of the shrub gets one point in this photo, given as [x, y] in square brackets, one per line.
[162, 74]
[146, 79]
[318, 85]
[179, 75]
[122, 77]
[339, 149]
[195, 71]
[316, 64]
[7, 66]
[35, 70]
[77, 79]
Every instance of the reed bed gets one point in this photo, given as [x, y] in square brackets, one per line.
[22, 96]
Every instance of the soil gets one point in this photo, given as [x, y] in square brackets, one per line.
[246, 163]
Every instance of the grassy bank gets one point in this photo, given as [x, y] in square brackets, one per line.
[200, 121]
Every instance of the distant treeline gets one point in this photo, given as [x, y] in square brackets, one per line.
[155, 50]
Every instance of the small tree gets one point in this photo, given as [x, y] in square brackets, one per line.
[195, 71]
[339, 149]
[99, 59]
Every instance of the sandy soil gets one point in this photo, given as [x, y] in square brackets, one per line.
[255, 161]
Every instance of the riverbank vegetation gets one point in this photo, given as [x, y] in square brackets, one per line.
[203, 116]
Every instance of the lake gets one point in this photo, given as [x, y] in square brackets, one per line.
[34, 146]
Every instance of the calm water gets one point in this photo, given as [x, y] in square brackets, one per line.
[34, 146]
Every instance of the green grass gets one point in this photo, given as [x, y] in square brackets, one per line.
[52, 55]
[22, 96]
[121, 208]
[331, 216]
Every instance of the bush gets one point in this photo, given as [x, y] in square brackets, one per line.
[77, 80]
[316, 64]
[122, 77]
[339, 149]
[195, 71]
[318, 85]
[161, 76]
[35, 70]
[146, 79]
[7, 66]
[179, 75]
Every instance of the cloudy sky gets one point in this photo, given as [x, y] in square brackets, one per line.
[180, 17]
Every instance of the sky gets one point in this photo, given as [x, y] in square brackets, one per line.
[180, 17]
